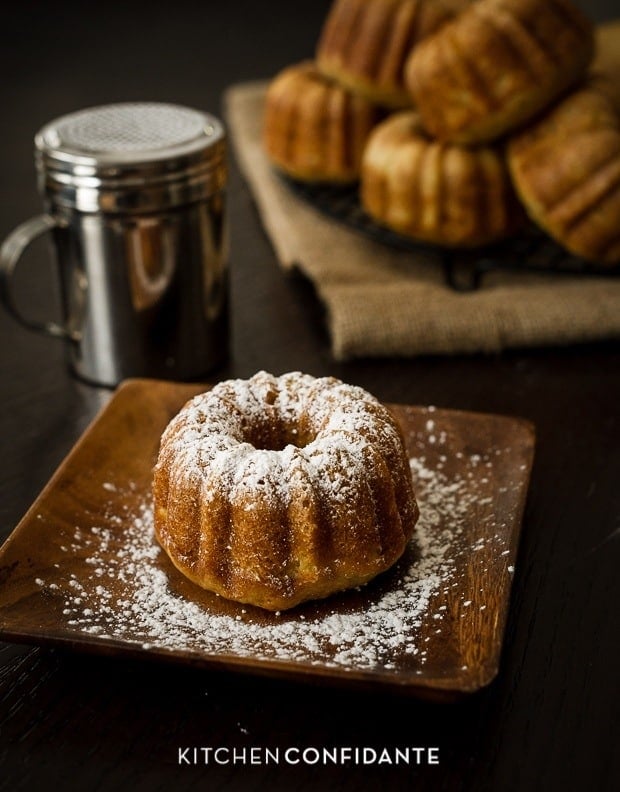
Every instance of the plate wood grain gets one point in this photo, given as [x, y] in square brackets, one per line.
[48, 564]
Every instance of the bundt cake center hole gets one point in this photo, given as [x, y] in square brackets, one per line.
[276, 436]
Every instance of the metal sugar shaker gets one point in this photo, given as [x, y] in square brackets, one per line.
[134, 199]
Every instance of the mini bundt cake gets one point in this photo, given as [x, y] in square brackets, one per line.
[436, 192]
[276, 490]
[606, 64]
[315, 130]
[364, 43]
[496, 66]
[566, 169]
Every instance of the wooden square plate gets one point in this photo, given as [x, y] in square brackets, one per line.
[83, 568]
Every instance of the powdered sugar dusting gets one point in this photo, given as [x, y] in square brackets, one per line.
[126, 590]
[242, 432]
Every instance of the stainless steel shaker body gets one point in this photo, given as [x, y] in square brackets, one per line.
[135, 200]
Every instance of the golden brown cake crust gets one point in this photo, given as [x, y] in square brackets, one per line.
[315, 130]
[606, 65]
[566, 169]
[275, 490]
[364, 43]
[496, 66]
[433, 191]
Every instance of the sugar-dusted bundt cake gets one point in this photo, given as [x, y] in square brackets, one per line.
[436, 192]
[314, 129]
[566, 169]
[497, 65]
[276, 490]
[364, 43]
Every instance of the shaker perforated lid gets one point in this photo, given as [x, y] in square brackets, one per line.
[129, 147]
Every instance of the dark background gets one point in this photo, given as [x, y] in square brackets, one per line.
[550, 720]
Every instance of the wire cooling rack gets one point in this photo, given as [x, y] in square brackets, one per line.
[464, 269]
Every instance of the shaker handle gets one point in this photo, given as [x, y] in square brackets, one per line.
[10, 253]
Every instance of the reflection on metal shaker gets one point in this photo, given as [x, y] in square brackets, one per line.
[135, 201]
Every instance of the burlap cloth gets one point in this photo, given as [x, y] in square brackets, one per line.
[386, 302]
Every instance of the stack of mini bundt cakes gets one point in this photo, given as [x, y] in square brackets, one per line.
[319, 115]
[459, 119]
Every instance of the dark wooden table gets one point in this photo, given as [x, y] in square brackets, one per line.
[73, 721]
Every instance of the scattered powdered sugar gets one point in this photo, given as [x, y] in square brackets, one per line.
[123, 591]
